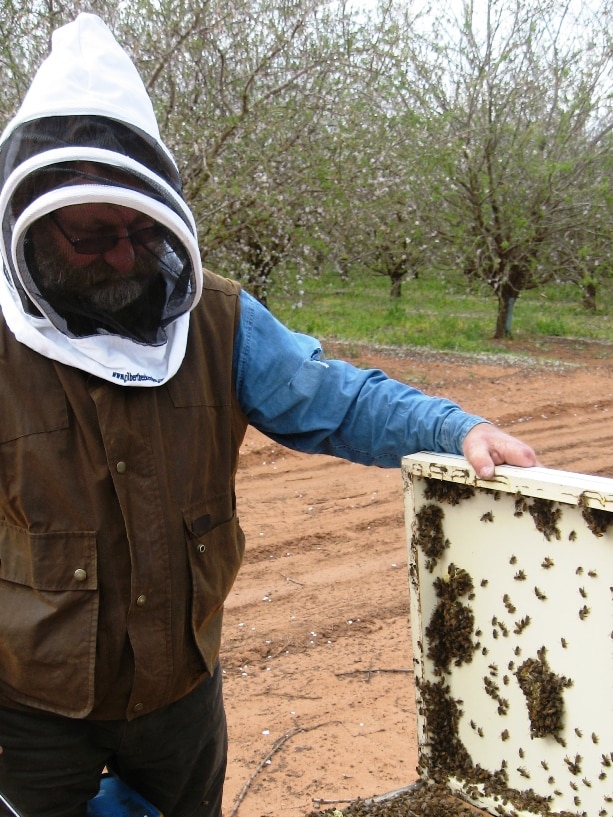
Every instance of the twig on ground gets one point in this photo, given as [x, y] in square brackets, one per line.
[268, 694]
[289, 579]
[266, 759]
[280, 651]
[319, 801]
[369, 672]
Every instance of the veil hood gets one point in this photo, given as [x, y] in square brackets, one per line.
[86, 133]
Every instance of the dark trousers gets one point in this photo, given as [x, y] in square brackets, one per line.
[175, 757]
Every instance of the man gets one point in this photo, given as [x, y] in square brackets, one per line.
[127, 380]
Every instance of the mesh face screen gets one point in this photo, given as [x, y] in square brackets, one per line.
[95, 268]
[53, 132]
[72, 265]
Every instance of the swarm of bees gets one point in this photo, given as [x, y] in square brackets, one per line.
[597, 520]
[546, 517]
[453, 493]
[429, 534]
[443, 713]
[542, 689]
[423, 799]
[450, 629]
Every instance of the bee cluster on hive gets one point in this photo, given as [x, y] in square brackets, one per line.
[512, 618]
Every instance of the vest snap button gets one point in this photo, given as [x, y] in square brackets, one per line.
[201, 548]
[121, 467]
[141, 600]
[80, 574]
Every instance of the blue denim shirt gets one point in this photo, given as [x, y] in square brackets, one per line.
[290, 392]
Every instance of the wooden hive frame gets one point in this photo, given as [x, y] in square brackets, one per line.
[511, 587]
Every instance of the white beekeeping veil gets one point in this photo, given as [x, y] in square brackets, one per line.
[85, 136]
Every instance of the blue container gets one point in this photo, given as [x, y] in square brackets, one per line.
[115, 799]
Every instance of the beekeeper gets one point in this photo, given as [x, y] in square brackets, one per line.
[128, 377]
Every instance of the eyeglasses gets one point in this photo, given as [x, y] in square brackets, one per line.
[100, 244]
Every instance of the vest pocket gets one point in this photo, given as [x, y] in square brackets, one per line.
[48, 619]
[215, 552]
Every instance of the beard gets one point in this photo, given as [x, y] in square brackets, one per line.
[98, 284]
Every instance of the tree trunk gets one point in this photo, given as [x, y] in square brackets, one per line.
[396, 288]
[589, 297]
[257, 285]
[508, 293]
[504, 317]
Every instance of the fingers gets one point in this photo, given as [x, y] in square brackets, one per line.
[486, 446]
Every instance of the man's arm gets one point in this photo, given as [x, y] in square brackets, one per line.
[293, 394]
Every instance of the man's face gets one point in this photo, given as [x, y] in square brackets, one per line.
[96, 252]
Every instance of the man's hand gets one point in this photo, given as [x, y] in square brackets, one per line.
[486, 446]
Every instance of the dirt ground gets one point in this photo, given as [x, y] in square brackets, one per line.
[317, 645]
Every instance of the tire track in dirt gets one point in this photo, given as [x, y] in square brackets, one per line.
[575, 436]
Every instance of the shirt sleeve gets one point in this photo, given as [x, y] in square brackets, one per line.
[290, 392]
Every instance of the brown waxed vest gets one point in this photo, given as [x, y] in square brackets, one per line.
[119, 539]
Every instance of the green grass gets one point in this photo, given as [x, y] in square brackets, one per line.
[437, 313]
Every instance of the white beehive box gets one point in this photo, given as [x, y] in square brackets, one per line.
[512, 620]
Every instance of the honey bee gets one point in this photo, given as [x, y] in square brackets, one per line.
[521, 625]
[574, 766]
